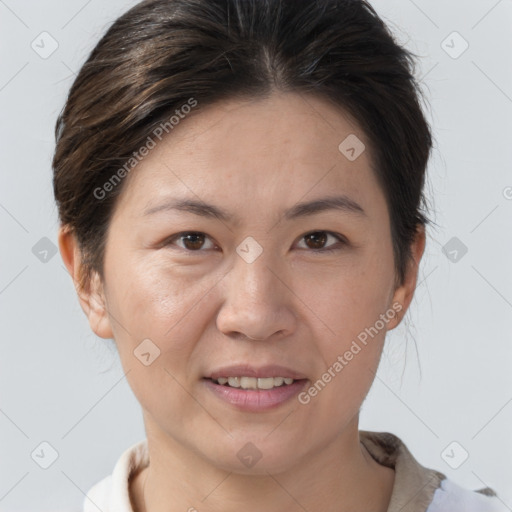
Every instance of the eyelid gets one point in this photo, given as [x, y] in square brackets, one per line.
[341, 242]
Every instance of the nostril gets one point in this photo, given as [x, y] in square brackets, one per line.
[255, 339]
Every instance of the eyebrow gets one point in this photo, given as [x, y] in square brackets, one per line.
[340, 203]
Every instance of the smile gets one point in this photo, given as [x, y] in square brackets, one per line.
[253, 382]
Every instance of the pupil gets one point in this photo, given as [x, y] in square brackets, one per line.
[195, 244]
[318, 235]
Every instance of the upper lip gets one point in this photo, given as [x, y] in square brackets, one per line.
[245, 370]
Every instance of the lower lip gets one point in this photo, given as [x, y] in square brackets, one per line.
[256, 400]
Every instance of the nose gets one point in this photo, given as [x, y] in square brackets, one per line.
[257, 303]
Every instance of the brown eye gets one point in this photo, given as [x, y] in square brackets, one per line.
[192, 241]
[316, 241]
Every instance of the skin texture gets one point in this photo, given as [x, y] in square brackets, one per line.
[254, 159]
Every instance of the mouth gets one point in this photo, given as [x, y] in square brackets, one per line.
[245, 382]
[255, 389]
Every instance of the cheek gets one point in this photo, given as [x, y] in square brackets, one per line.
[354, 306]
[348, 364]
[149, 298]
[349, 300]
[156, 323]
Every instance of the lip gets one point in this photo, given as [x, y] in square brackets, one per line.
[246, 370]
[255, 400]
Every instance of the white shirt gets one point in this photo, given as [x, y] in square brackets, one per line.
[416, 488]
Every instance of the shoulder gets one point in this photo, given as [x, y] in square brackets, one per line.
[450, 497]
[430, 489]
[112, 492]
[98, 496]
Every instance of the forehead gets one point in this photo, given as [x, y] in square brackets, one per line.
[287, 146]
[289, 124]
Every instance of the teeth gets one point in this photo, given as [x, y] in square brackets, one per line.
[279, 380]
[266, 383]
[234, 382]
[248, 383]
[253, 382]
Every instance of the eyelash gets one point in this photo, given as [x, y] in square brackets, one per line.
[341, 241]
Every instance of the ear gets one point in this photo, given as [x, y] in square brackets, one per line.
[404, 293]
[92, 297]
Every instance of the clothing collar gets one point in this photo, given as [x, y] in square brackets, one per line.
[415, 485]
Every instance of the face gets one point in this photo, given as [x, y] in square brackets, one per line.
[268, 290]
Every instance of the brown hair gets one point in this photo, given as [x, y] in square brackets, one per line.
[162, 53]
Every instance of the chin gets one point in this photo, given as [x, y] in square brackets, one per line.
[255, 457]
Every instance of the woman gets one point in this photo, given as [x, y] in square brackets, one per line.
[240, 190]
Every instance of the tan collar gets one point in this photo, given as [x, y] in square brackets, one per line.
[415, 484]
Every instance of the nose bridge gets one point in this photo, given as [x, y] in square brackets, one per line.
[255, 300]
[252, 268]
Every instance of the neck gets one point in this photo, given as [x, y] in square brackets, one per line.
[341, 477]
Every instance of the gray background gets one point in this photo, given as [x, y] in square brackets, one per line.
[445, 375]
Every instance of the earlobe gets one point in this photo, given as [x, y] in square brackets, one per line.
[94, 305]
[404, 293]
[92, 297]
